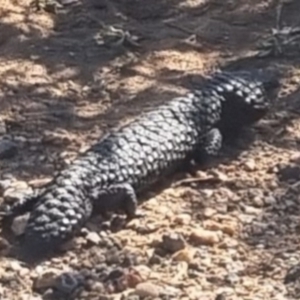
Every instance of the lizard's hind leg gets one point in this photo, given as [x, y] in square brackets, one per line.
[19, 207]
[119, 196]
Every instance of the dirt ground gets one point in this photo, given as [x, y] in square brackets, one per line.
[230, 231]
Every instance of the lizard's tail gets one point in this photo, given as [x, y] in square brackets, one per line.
[54, 220]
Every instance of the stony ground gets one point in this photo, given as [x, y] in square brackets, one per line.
[228, 231]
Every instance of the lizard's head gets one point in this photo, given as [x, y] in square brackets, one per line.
[246, 96]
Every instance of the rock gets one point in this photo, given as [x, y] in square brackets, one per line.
[209, 212]
[30, 297]
[4, 185]
[250, 210]
[15, 266]
[228, 243]
[292, 274]
[207, 193]
[219, 175]
[185, 255]
[248, 283]
[8, 149]
[46, 279]
[201, 236]
[143, 271]
[270, 200]
[16, 191]
[295, 158]
[19, 224]
[133, 278]
[39, 182]
[133, 297]
[68, 282]
[183, 219]
[250, 165]
[147, 289]
[222, 208]
[220, 296]
[232, 278]
[280, 296]
[58, 138]
[95, 286]
[24, 272]
[258, 201]
[6, 276]
[51, 278]
[170, 292]
[257, 197]
[173, 242]
[229, 227]
[147, 228]
[93, 238]
[155, 260]
[69, 2]
[19, 185]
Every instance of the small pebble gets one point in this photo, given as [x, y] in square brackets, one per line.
[143, 271]
[183, 219]
[68, 282]
[185, 255]
[201, 236]
[232, 278]
[30, 297]
[221, 297]
[220, 175]
[147, 289]
[133, 279]
[15, 265]
[93, 238]
[4, 185]
[209, 212]
[250, 210]
[19, 224]
[229, 227]
[173, 242]
[46, 279]
[16, 191]
[250, 165]
[97, 286]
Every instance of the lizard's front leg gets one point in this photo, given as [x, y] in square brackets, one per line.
[209, 146]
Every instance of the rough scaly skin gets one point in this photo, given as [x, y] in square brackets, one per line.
[122, 164]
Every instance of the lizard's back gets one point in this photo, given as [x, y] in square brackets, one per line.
[152, 145]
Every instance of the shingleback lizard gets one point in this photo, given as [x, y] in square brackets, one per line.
[110, 174]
